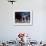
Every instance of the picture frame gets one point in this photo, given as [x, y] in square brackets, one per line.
[23, 18]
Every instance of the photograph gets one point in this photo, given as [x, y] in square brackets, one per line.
[23, 18]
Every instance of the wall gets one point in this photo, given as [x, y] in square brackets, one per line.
[9, 31]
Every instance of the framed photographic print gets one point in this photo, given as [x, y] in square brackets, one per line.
[23, 17]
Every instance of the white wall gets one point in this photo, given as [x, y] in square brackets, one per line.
[9, 31]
